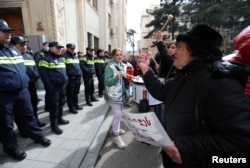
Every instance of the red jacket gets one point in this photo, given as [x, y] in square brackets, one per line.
[242, 44]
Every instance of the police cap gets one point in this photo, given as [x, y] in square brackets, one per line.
[55, 44]
[89, 48]
[18, 40]
[4, 26]
[70, 45]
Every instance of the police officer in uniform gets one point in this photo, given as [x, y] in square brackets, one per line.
[53, 74]
[15, 97]
[39, 55]
[74, 73]
[32, 72]
[99, 61]
[88, 71]
[42, 53]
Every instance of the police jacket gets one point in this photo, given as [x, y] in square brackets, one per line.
[203, 113]
[72, 65]
[99, 65]
[53, 71]
[13, 75]
[40, 55]
[87, 65]
[31, 68]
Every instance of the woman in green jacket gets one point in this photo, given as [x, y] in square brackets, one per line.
[113, 74]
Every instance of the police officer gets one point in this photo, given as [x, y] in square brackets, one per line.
[99, 61]
[42, 53]
[39, 55]
[21, 44]
[15, 97]
[74, 73]
[88, 71]
[53, 74]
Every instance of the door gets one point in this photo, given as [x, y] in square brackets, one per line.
[14, 19]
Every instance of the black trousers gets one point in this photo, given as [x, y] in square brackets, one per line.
[56, 101]
[19, 106]
[34, 97]
[89, 88]
[72, 91]
[100, 78]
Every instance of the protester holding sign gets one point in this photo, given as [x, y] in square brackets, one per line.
[205, 114]
[114, 85]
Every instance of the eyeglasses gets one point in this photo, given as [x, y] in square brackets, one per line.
[118, 55]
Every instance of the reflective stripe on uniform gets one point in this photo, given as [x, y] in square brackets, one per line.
[70, 61]
[51, 65]
[100, 61]
[29, 62]
[11, 60]
[88, 61]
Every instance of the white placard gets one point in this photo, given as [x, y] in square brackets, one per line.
[147, 128]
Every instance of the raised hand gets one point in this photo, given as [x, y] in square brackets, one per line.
[143, 61]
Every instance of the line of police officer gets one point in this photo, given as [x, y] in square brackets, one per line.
[61, 77]
[15, 98]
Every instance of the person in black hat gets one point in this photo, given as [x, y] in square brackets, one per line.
[88, 71]
[15, 98]
[99, 69]
[205, 113]
[74, 72]
[53, 74]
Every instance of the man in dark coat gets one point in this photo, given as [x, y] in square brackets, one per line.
[15, 98]
[54, 76]
[99, 62]
[205, 113]
[88, 70]
[74, 73]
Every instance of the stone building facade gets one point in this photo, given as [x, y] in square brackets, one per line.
[95, 23]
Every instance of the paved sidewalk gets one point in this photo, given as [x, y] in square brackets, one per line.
[68, 149]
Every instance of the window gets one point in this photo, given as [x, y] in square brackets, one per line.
[96, 43]
[95, 4]
[110, 24]
[89, 35]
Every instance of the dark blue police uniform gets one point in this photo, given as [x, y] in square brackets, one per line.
[100, 68]
[74, 80]
[53, 74]
[15, 98]
[88, 71]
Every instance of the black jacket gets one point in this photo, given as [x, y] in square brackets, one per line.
[166, 61]
[53, 71]
[99, 63]
[220, 123]
[87, 66]
[31, 68]
[72, 65]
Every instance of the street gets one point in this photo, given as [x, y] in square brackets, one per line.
[135, 155]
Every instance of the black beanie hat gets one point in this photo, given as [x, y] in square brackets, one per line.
[203, 36]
